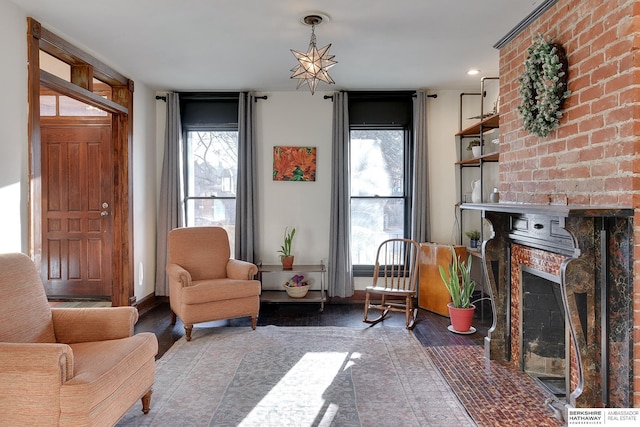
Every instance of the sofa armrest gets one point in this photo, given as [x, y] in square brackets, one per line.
[73, 325]
[37, 364]
[177, 274]
[31, 376]
[241, 270]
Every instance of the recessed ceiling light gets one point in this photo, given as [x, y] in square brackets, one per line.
[473, 72]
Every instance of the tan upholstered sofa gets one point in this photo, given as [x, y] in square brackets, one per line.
[205, 284]
[67, 366]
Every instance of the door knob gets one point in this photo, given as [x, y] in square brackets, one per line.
[104, 213]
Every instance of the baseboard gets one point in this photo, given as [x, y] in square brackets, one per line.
[149, 302]
[356, 298]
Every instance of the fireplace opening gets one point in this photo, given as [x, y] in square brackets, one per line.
[543, 330]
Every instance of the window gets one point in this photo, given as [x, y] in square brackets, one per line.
[210, 126]
[379, 148]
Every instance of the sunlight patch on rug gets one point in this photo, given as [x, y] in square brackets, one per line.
[288, 387]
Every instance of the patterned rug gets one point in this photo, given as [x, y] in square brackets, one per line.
[299, 376]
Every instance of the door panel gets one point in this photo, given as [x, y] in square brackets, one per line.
[77, 190]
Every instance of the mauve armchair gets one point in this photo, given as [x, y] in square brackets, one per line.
[67, 366]
[205, 283]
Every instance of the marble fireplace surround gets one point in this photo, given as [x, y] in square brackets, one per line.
[592, 249]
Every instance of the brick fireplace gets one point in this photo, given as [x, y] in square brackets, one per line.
[584, 175]
[587, 254]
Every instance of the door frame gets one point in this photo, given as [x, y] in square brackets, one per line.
[84, 68]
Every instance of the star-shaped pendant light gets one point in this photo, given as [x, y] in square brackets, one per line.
[313, 64]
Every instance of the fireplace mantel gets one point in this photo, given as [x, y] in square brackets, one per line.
[562, 211]
[596, 243]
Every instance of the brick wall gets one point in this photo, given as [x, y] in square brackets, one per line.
[592, 157]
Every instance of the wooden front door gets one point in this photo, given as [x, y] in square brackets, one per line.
[77, 194]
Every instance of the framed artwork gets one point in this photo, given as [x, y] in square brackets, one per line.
[294, 163]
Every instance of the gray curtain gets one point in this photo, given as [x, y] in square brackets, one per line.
[171, 208]
[340, 277]
[420, 231]
[246, 236]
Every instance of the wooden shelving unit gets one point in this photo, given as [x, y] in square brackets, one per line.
[490, 157]
[489, 122]
[477, 130]
[315, 296]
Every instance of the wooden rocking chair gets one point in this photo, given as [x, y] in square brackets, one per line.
[394, 280]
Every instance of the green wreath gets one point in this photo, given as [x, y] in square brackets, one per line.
[543, 87]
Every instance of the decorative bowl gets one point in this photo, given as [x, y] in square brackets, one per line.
[296, 291]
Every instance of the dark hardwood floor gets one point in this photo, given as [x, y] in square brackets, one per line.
[430, 329]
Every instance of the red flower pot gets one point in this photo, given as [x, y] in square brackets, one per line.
[461, 318]
[287, 262]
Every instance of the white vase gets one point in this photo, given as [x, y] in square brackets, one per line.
[476, 195]
[476, 150]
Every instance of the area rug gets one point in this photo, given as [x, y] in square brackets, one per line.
[299, 376]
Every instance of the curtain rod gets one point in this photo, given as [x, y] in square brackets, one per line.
[435, 95]
[164, 98]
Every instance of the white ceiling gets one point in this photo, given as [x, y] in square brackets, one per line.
[187, 45]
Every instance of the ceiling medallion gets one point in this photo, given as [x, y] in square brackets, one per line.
[313, 64]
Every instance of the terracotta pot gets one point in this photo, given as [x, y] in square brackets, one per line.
[287, 262]
[461, 318]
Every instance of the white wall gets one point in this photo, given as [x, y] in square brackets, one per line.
[13, 130]
[145, 195]
[294, 119]
[442, 119]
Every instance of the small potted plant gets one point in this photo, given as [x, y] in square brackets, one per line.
[457, 279]
[285, 250]
[474, 237]
[297, 287]
[474, 147]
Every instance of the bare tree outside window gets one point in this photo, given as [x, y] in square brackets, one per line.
[212, 169]
[377, 190]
